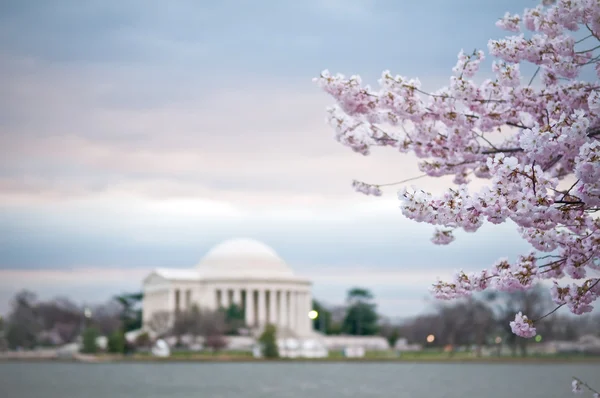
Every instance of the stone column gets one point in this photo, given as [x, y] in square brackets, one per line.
[302, 313]
[273, 306]
[237, 297]
[308, 301]
[217, 295]
[262, 308]
[283, 310]
[171, 300]
[293, 311]
[249, 307]
[171, 305]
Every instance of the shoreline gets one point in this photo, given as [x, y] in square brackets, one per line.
[101, 359]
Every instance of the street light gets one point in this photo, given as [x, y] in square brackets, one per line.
[498, 342]
[87, 314]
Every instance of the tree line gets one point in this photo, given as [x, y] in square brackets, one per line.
[478, 321]
[33, 322]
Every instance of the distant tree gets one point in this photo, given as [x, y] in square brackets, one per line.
[483, 322]
[131, 312]
[183, 323]
[454, 321]
[3, 343]
[106, 318]
[61, 316]
[322, 323]
[417, 329]
[268, 342]
[467, 322]
[235, 319]
[58, 310]
[211, 325]
[536, 302]
[89, 341]
[338, 314]
[389, 332]
[216, 342]
[358, 294]
[393, 338]
[160, 323]
[116, 342]
[143, 340]
[193, 321]
[23, 324]
[361, 316]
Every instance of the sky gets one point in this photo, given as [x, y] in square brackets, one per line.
[138, 134]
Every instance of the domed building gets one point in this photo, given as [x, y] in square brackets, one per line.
[244, 272]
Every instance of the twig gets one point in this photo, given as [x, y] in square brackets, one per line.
[548, 314]
[534, 75]
[580, 40]
[403, 181]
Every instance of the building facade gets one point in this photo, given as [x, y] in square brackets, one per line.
[244, 272]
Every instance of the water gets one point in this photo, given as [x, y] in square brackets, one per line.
[294, 380]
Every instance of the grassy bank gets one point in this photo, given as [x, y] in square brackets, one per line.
[424, 356]
[373, 357]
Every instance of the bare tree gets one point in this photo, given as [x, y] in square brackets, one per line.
[160, 323]
[454, 320]
[3, 343]
[182, 325]
[215, 342]
[61, 316]
[535, 302]
[211, 325]
[482, 322]
[23, 322]
[416, 330]
[107, 317]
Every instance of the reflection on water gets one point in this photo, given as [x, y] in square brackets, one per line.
[294, 380]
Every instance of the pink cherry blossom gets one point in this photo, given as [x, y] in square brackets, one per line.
[535, 142]
[367, 189]
[442, 237]
[522, 326]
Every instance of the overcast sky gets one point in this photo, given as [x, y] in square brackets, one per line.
[137, 134]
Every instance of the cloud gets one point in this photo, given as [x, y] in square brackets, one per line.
[374, 276]
[138, 135]
[256, 140]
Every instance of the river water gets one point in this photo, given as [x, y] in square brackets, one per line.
[293, 380]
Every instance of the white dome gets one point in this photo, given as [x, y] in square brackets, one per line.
[243, 258]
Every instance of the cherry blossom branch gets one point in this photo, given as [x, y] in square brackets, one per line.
[534, 75]
[555, 135]
[592, 32]
[548, 314]
[578, 383]
[583, 39]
